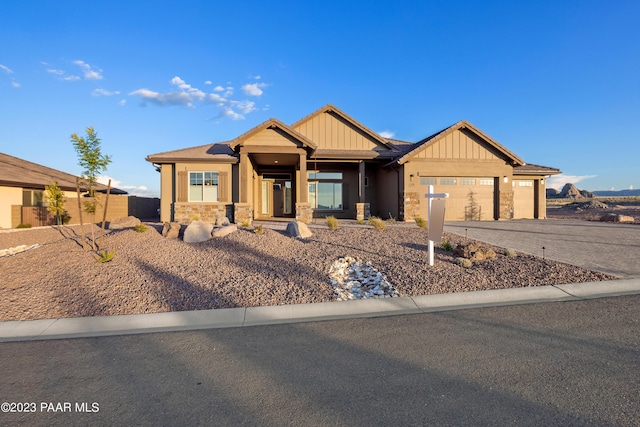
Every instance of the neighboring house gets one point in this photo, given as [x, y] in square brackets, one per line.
[329, 164]
[22, 185]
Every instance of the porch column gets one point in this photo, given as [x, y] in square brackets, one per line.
[244, 184]
[361, 182]
[304, 185]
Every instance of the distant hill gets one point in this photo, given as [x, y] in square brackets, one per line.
[569, 191]
[619, 193]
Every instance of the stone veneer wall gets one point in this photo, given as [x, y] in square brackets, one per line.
[243, 212]
[506, 204]
[409, 206]
[304, 213]
[363, 211]
[207, 212]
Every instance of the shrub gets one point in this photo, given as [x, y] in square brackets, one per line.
[105, 256]
[464, 262]
[332, 222]
[421, 222]
[446, 246]
[245, 224]
[140, 228]
[258, 229]
[377, 223]
[24, 226]
[360, 221]
[392, 219]
[510, 253]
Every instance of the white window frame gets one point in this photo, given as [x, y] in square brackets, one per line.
[203, 185]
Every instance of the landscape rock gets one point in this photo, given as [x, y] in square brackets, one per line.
[197, 231]
[612, 217]
[224, 231]
[298, 229]
[124, 222]
[171, 230]
[352, 279]
[474, 251]
[222, 221]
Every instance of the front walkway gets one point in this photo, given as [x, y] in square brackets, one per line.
[600, 246]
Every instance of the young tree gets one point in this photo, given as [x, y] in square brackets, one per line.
[91, 159]
[55, 201]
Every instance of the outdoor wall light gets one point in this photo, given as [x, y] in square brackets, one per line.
[411, 178]
[505, 179]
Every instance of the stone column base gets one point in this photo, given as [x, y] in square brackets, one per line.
[304, 213]
[363, 211]
[243, 213]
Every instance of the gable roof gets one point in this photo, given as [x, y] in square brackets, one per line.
[218, 152]
[329, 108]
[273, 124]
[531, 169]
[462, 124]
[15, 172]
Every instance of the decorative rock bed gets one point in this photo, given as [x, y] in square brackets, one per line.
[16, 250]
[352, 279]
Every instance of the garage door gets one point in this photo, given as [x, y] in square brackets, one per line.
[523, 198]
[470, 199]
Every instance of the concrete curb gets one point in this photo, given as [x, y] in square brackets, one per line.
[29, 330]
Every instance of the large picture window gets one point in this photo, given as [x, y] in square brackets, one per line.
[325, 190]
[203, 186]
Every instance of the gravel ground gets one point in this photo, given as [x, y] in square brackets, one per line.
[152, 274]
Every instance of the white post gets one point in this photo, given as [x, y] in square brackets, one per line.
[429, 197]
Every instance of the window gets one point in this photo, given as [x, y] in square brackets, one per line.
[32, 198]
[448, 181]
[467, 181]
[203, 186]
[427, 181]
[325, 193]
[525, 183]
[486, 181]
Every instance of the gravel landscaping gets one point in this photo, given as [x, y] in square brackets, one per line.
[150, 273]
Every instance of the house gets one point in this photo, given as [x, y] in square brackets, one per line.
[22, 187]
[327, 163]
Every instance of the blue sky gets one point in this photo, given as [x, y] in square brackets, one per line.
[556, 82]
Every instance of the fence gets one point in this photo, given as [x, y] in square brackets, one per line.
[145, 208]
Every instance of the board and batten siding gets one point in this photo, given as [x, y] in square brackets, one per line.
[332, 132]
[270, 137]
[457, 145]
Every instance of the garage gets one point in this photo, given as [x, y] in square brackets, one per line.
[470, 198]
[523, 199]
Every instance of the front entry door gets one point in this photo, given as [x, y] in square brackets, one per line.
[276, 196]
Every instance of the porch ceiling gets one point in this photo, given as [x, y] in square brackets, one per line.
[275, 159]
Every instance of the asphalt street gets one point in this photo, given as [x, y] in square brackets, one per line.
[561, 363]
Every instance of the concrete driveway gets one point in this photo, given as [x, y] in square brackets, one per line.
[600, 246]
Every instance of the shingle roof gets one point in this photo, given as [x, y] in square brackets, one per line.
[15, 172]
[531, 169]
[218, 152]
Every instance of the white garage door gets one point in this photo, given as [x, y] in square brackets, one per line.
[470, 199]
[523, 198]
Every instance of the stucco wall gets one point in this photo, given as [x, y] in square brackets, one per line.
[8, 196]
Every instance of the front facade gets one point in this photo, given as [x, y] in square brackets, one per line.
[329, 164]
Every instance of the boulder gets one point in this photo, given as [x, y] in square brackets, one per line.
[475, 251]
[222, 221]
[124, 222]
[224, 231]
[171, 230]
[197, 231]
[612, 217]
[298, 229]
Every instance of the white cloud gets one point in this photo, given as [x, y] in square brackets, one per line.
[386, 134]
[71, 78]
[208, 83]
[103, 92]
[54, 71]
[253, 89]
[122, 102]
[15, 84]
[558, 181]
[134, 190]
[631, 187]
[7, 69]
[187, 95]
[90, 73]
